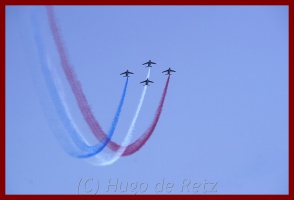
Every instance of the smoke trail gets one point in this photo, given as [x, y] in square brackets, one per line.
[59, 132]
[63, 113]
[80, 97]
[107, 160]
[74, 83]
[136, 146]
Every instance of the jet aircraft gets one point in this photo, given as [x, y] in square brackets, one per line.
[149, 63]
[127, 73]
[168, 71]
[146, 82]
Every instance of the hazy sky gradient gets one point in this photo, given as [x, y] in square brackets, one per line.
[225, 118]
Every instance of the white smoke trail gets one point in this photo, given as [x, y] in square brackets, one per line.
[60, 90]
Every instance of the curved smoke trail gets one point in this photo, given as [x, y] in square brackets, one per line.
[82, 101]
[61, 108]
[108, 160]
[74, 83]
[136, 146]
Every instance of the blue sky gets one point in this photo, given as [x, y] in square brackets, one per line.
[224, 121]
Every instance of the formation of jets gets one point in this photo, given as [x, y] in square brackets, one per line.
[147, 81]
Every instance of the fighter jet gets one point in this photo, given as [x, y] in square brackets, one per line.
[149, 63]
[168, 71]
[146, 82]
[127, 73]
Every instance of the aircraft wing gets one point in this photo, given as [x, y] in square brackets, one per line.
[150, 81]
[153, 63]
[123, 73]
[172, 70]
[131, 73]
[143, 82]
[145, 63]
[165, 71]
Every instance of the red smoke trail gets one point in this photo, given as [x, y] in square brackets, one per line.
[82, 101]
[74, 83]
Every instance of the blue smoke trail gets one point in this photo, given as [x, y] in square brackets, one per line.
[63, 114]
